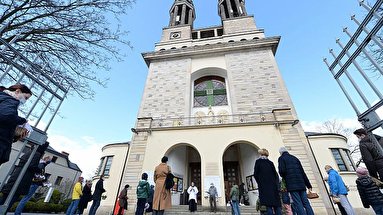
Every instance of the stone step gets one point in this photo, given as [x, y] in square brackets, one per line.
[204, 210]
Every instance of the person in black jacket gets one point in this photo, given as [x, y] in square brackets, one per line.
[372, 157]
[98, 191]
[10, 99]
[291, 170]
[26, 181]
[86, 197]
[368, 191]
[268, 183]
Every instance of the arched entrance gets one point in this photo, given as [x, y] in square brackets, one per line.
[185, 162]
[238, 167]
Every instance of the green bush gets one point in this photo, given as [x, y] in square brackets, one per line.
[56, 197]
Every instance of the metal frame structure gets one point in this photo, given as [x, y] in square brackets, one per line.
[49, 92]
[368, 116]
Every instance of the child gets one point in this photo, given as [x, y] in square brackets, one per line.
[368, 191]
[143, 191]
[285, 199]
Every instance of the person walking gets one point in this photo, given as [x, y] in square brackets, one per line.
[242, 194]
[371, 156]
[368, 191]
[234, 197]
[213, 195]
[267, 179]
[192, 191]
[10, 99]
[26, 181]
[98, 191]
[76, 195]
[338, 189]
[86, 197]
[291, 170]
[162, 197]
[340, 207]
[38, 180]
[123, 200]
[143, 191]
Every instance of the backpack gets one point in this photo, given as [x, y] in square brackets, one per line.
[169, 182]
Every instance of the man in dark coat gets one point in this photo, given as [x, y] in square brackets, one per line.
[291, 170]
[86, 197]
[98, 190]
[268, 183]
[372, 157]
[26, 181]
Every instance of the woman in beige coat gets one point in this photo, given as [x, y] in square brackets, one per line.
[162, 197]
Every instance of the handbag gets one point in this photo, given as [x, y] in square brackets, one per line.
[335, 200]
[169, 181]
[312, 195]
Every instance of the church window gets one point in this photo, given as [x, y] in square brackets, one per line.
[108, 164]
[343, 159]
[210, 91]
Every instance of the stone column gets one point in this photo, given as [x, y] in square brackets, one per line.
[238, 6]
[229, 8]
[190, 17]
[243, 8]
[223, 14]
[175, 15]
[171, 19]
[183, 14]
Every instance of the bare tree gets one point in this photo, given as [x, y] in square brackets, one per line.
[337, 127]
[74, 37]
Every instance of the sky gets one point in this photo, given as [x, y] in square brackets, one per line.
[307, 29]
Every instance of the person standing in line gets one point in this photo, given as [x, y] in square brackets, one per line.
[98, 191]
[123, 200]
[86, 197]
[371, 156]
[234, 197]
[242, 193]
[267, 179]
[10, 99]
[192, 191]
[340, 207]
[291, 170]
[338, 189]
[38, 180]
[143, 191]
[162, 199]
[76, 195]
[368, 191]
[150, 199]
[213, 194]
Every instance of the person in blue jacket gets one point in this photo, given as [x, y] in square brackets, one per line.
[338, 189]
[10, 99]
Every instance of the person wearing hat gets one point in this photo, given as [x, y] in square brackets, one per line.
[291, 170]
[213, 194]
[368, 191]
[338, 189]
[76, 195]
[371, 155]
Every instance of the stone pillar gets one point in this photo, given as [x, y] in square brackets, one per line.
[190, 17]
[238, 6]
[171, 19]
[243, 8]
[183, 14]
[175, 13]
[229, 8]
[223, 14]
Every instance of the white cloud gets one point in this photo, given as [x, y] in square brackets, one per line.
[314, 126]
[86, 152]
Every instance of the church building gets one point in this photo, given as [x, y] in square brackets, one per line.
[213, 97]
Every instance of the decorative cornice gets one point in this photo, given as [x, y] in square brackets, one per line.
[271, 42]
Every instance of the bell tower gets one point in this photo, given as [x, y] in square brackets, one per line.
[228, 9]
[182, 13]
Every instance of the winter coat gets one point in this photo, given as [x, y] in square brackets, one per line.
[85, 198]
[77, 191]
[234, 193]
[123, 199]
[26, 181]
[162, 198]
[99, 189]
[368, 191]
[143, 189]
[290, 169]
[371, 156]
[268, 182]
[213, 191]
[193, 191]
[336, 184]
[9, 119]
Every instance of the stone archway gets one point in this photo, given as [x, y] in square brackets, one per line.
[185, 162]
[238, 166]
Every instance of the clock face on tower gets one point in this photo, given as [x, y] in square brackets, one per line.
[175, 35]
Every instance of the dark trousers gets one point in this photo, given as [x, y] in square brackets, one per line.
[213, 204]
[192, 205]
[140, 206]
[161, 212]
[301, 203]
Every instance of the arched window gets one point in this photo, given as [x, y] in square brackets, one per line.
[210, 91]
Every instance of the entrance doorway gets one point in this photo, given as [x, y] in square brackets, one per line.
[185, 163]
[238, 167]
